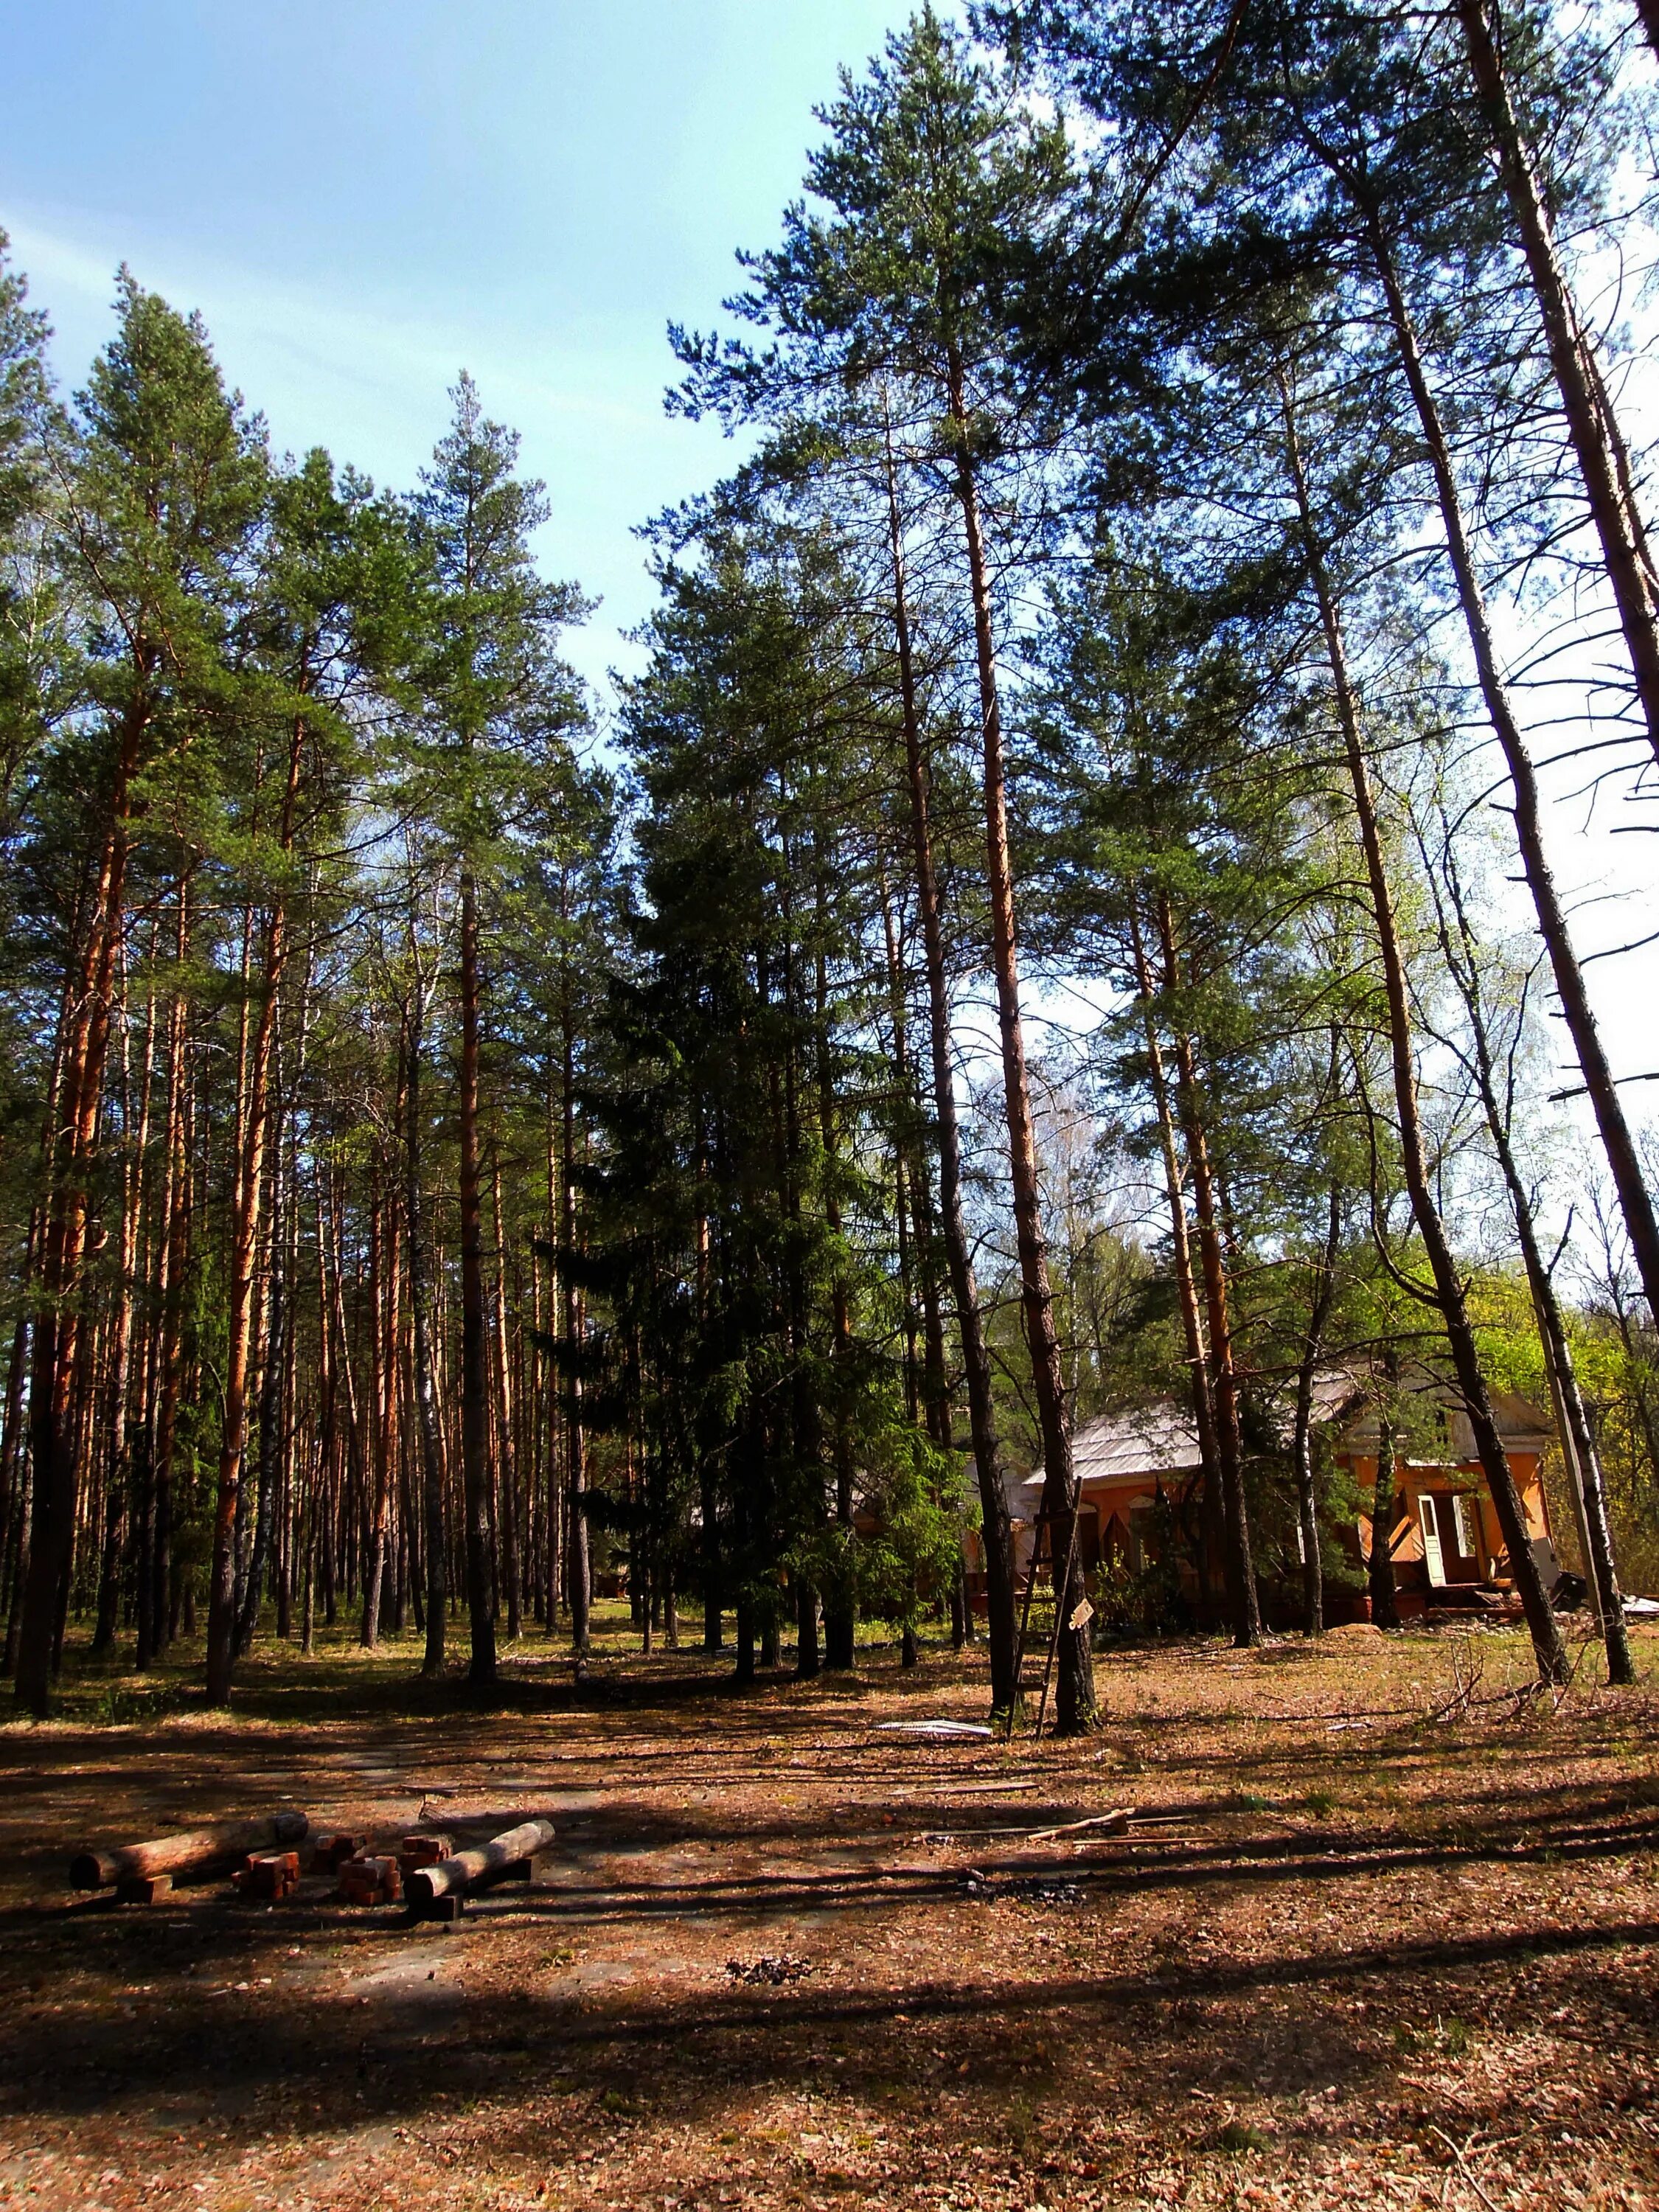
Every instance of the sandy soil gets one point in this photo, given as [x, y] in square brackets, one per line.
[1356, 1948]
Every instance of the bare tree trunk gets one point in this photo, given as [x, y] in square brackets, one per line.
[1448, 1289]
[996, 1532]
[271, 1415]
[1198, 1357]
[176, 1214]
[1385, 1607]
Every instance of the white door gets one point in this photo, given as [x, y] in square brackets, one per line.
[1431, 1552]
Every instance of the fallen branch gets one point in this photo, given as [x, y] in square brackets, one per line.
[1463, 2166]
[1112, 1823]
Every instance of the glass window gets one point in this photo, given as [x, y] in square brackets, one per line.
[1468, 1544]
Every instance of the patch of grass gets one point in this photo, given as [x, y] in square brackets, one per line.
[1449, 2038]
[1239, 2137]
[1250, 1801]
[1322, 1803]
[620, 2107]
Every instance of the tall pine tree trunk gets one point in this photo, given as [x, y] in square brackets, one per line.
[55, 1345]
[996, 1532]
[1577, 1439]
[475, 1351]
[1192, 1325]
[1224, 1380]
[252, 1126]
[1635, 1200]
[577, 1550]
[1449, 1294]
[420, 1318]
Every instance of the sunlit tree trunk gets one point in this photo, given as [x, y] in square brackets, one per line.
[1448, 1289]
[996, 1533]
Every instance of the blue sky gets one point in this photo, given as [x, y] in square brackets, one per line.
[363, 199]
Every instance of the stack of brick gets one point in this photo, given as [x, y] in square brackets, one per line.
[269, 1875]
[421, 1851]
[331, 1851]
[370, 1882]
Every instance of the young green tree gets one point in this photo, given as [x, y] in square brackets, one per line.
[496, 698]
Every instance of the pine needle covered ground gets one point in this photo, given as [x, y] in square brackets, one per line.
[1380, 1933]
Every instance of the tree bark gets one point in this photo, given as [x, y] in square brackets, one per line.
[509, 1478]
[383, 1321]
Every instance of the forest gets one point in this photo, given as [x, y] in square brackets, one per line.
[1066, 912]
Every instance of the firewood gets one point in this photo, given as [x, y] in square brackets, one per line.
[453, 1875]
[198, 1852]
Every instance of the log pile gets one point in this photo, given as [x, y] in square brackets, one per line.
[436, 1877]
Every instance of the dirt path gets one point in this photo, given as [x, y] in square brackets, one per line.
[1344, 1954]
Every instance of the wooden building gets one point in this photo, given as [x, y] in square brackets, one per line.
[1141, 1483]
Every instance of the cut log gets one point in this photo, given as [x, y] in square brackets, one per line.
[198, 1852]
[453, 1876]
